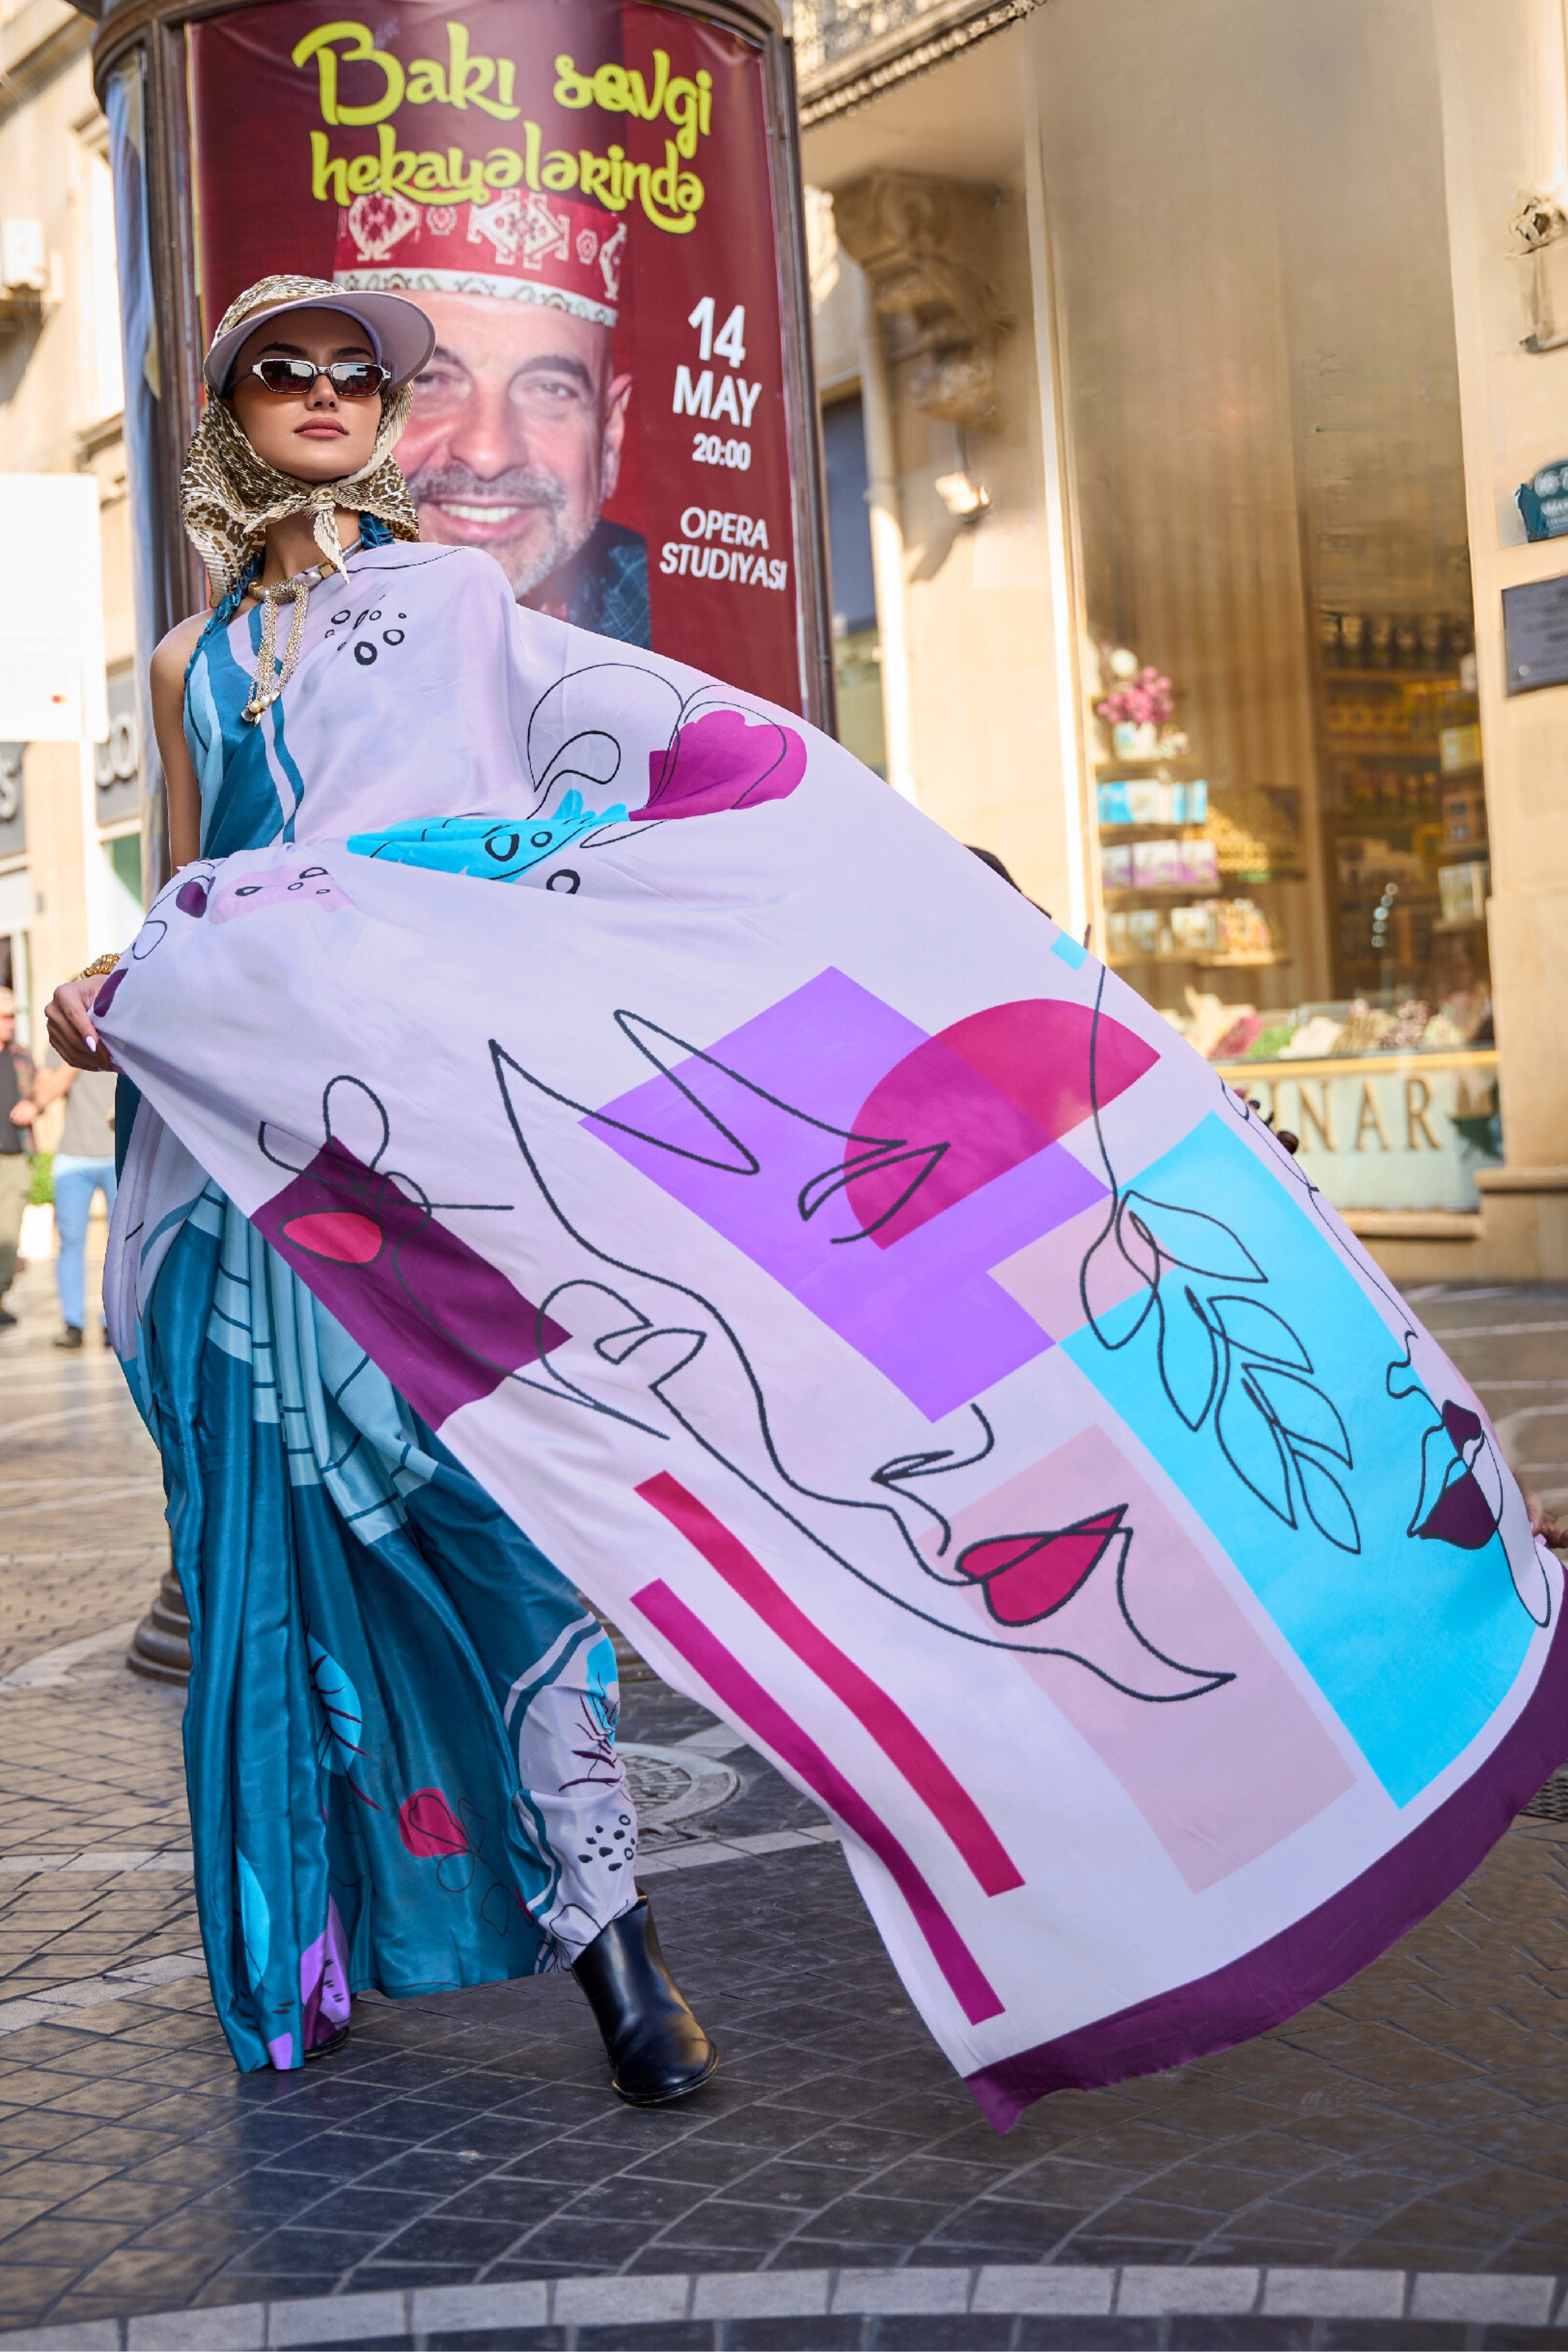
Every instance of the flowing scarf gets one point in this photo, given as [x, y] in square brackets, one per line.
[229, 495]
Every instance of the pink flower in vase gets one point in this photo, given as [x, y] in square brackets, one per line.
[1146, 700]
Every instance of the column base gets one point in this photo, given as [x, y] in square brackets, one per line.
[1520, 1234]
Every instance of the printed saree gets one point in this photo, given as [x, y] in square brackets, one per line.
[865, 1297]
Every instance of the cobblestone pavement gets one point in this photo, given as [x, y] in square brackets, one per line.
[1416, 2122]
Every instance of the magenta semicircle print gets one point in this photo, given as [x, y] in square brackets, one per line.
[893, 1168]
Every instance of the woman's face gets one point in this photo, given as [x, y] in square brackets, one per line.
[313, 434]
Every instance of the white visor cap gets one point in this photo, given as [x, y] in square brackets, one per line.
[400, 333]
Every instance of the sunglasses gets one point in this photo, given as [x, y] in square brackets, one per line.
[350, 379]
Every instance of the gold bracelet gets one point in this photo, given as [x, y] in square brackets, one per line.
[99, 965]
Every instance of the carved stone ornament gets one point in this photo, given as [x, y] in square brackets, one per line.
[926, 245]
[1538, 236]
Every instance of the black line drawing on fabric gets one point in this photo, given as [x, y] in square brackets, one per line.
[1228, 1360]
[455, 1841]
[698, 1343]
[338, 1750]
[1462, 1483]
[597, 1727]
[1028, 1578]
[874, 1152]
[356, 1182]
[1362, 1264]
[656, 716]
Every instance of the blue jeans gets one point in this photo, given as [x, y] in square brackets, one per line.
[75, 1181]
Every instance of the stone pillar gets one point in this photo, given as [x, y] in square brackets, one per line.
[1505, 128]
[989, 622]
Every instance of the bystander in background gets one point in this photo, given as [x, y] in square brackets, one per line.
[16, 1114]
[84, 1165]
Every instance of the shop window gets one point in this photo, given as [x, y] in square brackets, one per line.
[122, 857]
[857, 655]
[1250, 220]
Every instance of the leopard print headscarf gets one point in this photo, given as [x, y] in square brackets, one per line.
[228, 494]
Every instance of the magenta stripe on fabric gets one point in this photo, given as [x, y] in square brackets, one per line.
[901, 1741]
[1309, 1959]
[744, 1697]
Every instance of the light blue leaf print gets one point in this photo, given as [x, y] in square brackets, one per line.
[1247, 1324]
[1192, 1239]
[602, 1692]
[498, 850]
[1189, 1361]
[1327, 1502]
[1302, 1412]
[255, 1921]
[1250, 1441]
[341, 1706]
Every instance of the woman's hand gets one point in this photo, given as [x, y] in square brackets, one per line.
[23, 1114]
[70, 1024]
[1543, 1523]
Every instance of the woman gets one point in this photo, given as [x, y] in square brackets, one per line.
[379, 1795]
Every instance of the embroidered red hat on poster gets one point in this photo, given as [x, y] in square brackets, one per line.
[523, 246]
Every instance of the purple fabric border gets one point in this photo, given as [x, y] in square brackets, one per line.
[1317, 1953]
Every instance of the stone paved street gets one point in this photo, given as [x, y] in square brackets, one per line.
[1415, 2123]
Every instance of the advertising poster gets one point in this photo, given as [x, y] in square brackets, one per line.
[578, 192]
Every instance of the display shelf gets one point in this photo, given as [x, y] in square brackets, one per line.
[1200, 960]
[1357, 747]
[1449, 679]
[1116, 760]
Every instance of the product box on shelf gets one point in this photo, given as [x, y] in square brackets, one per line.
[1463, 890]
[1157, 866]
[1459, 747]
[1195, 930]
[1170, 865]
[1146, 800]
[1464, 814]
[1243, 927]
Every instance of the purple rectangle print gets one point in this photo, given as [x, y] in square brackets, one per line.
[751, 1132]
[445, 1327]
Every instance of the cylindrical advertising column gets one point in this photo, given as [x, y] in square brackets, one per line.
[597, 202]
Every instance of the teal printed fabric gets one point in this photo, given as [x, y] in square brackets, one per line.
[400, 1738]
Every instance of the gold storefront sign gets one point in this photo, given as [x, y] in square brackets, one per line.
[1388, 1131]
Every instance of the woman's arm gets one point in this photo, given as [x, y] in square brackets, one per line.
[166, 679]
[68, 1018]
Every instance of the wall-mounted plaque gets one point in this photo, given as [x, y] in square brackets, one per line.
[117, 763]
[1544, 502]
[1535, 633]
[13, 804]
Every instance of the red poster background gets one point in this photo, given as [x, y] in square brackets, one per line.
[253, 112]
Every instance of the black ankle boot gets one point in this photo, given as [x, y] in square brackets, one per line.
[658, 2051]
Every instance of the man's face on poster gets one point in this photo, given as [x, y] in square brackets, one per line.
[514, 442]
